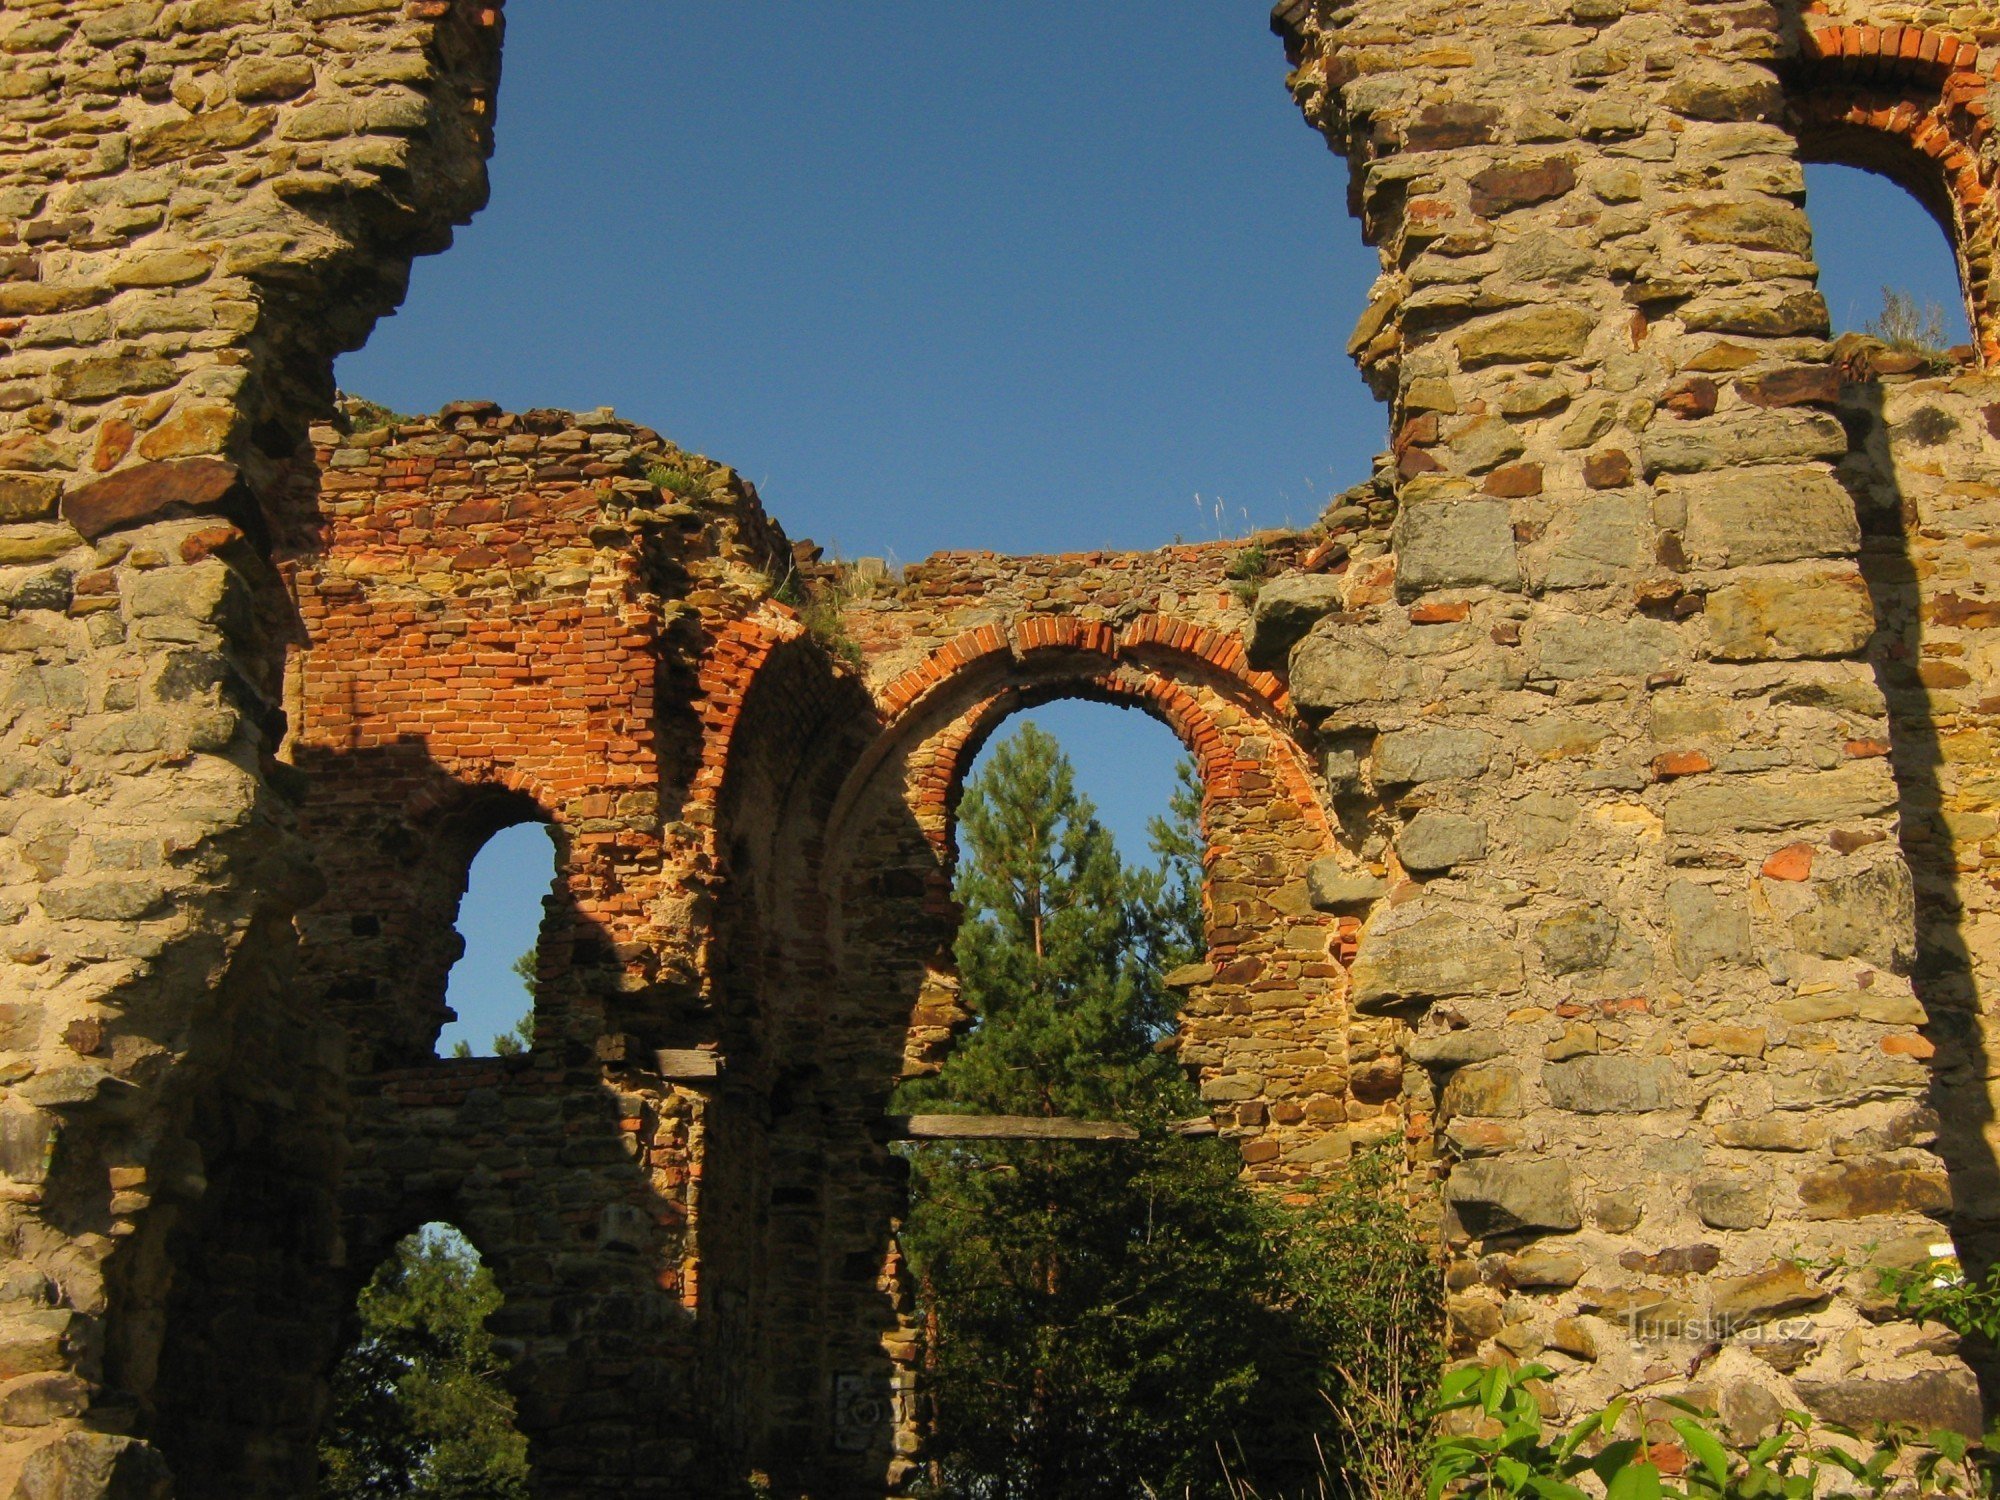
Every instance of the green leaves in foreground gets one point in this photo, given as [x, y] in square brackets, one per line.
[1508, 1452]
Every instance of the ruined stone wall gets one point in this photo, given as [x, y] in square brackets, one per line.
[1925, 474]
[503, 616]
[1597, 800]
[202, 203]
[1648, 914]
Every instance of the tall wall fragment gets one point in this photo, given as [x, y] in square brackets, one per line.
[1681, 1053]
[202, 203]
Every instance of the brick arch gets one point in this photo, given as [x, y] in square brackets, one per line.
[1151, 664]
[1910, 102]
[728, 671]
[1147, 636]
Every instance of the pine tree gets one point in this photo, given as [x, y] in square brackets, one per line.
[419, 1412]
[1100, 1320]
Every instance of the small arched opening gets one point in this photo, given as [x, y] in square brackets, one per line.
[418, 1404]
[1884, 249]
[492, 987]
[1900, 103]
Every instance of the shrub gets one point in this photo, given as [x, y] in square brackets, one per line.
[1502, 1449]
[673, 480]
[1911, 327]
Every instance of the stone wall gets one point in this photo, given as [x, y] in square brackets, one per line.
[202, 203]
[1627, 568]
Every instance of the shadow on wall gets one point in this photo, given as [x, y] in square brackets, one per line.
[699, 1277]
[1943, 973]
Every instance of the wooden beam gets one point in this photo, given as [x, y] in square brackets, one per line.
[687, 1064]
[1023, 1128]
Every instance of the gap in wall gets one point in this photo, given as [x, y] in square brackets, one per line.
[500, 917]
[1018, 277]
[1870, 233]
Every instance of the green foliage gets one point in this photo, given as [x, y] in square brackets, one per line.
[418, 1409]
[1911, 327]
[1938, 1291]
[366, 416]
[823, 613]
[673, 480]
[1493, 1444]
[1106, 1321]
[1246, 571]
[1251, 563]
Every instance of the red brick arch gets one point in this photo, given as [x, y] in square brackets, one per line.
[1152, 664]
[1924, 92]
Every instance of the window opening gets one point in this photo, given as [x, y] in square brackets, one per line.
[418, 1406]
[1886, 267]
[491, 987]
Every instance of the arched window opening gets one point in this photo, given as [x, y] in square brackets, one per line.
[1105, 1305]
[491, 989]
[1887, 268]
[417, 1405]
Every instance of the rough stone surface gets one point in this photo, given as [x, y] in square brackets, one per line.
[1455, 544]
[1286, 609]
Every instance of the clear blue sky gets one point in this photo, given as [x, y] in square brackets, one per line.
[1030, 276]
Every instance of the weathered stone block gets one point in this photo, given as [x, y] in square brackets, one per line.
[1571, 646]
[1732, 1200]
[1613, 1084]
[1786, 1131]
[1753, 223]
[1518, 184]
[27, 497]
[1484, 442]
[1456, 1049]
[1435, 840]
[38, 1400]
[1709, 928]
[1947, 1398]
[1286, 608]
[1895, 1184]
[1490, 1090]
[27, 1144]
[1598, 539]
[1743, 1301]
[1540, 822]
[1766, 515]
[147, 492]
[1330, 887]
[1578, 940]
[1423, 952]
[1867, 913]
[1331, 671]
[1534, 333]
[1784, 618]
[1501, 1195]
[1413, 756]
[1720, 91]
[1771, 802]
[81, 1465]
[218, 130]
[1454, 544]
[1753, 437]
